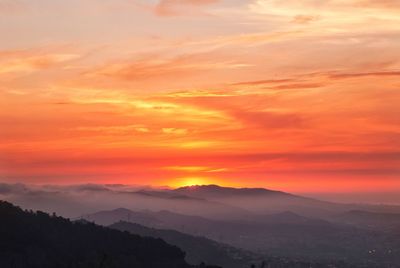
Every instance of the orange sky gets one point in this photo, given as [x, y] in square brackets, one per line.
[302, 96]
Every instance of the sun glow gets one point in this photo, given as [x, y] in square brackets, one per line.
[191, 181]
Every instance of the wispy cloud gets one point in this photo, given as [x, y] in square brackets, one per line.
[14, 61]
[180, 7]
[153, 67]
[366, 74]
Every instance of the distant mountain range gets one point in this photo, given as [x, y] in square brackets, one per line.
[259, 200]
[265, 201]
[39, 240]
[283, 234]
[210, 201]
[215, 191]
[267, 223]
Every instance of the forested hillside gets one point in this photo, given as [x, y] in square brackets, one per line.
[38, 240]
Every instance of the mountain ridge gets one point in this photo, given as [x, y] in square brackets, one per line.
[217, 189]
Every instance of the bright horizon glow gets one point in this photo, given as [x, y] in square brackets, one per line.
[189, 181]
[297, 96]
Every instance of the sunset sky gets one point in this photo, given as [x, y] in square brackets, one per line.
[300, 96]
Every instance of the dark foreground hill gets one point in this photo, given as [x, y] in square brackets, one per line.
[38, 240]
[197, 248]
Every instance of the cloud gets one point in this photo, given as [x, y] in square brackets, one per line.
[304, 19]
[269, 120]
[293, 6]
[315, 80]
[115, 130]
[263, 82]
[176, 131]
[6, 189]
[377, 3]
[195, 169]
[299, 86]
[25, 61]
[179, 7]
[332, 16]
[74, 201]
[366, 74]
[150, 67]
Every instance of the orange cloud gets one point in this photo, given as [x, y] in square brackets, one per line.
[355, 75]
[303, 19]
[262, 82]
[153, 66]
[14, 61]
[378, 3]
[179, 7]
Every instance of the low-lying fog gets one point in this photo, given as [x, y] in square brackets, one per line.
[208, 201]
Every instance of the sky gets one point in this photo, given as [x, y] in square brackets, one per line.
[301, 96]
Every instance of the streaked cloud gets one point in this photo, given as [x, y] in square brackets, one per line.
[179, 7]
[14, 61]
[158, 67]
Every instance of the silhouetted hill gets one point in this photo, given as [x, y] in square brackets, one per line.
[157, 219]
[260, 200]
[166, 194]
[267, 201]
[208, 191]
[74, 201]
[197, 248]
[109, 217]
[38, 240]
[222, 203]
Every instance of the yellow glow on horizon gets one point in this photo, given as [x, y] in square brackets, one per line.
[191, 181]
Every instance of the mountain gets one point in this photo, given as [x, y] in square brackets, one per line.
[156, 219]
[197, 248]
[260, 200]
[38, 240]
[215, 191]
[106, 218]
[207, 201]
[166, 194]
[266, 201]
[73, 201]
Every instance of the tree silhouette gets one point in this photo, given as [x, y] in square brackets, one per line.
[38, 240]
